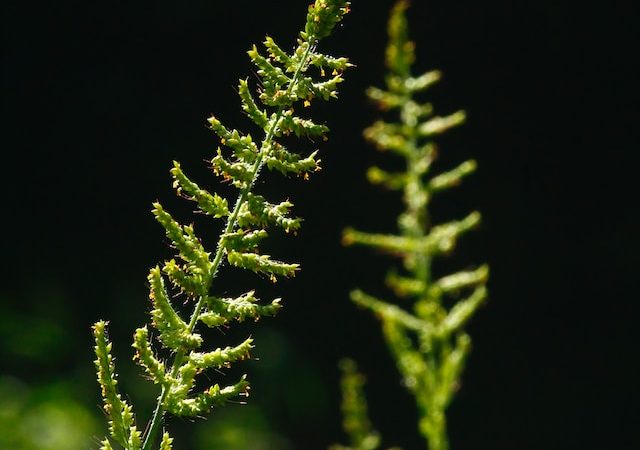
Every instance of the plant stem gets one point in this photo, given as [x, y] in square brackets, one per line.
[230, 225]
[434, 428]
[432, 424]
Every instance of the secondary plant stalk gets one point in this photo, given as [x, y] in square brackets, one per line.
[428, 341]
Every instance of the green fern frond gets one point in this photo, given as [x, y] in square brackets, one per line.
[427, 340]
[286, 81]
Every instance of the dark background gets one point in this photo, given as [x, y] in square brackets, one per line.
[100, 97]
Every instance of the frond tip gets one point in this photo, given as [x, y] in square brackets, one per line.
[323, 16]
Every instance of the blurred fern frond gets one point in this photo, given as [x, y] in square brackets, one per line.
[427, 339]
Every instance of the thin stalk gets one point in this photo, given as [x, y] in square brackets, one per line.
[230, 225]
[433, 421]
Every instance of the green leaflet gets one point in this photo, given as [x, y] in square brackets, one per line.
[121, 421]
[145, 357]
[286, 162]
[257, 212]
[191, 285]
[300, 127]
[286, 85]
[261, 263]
[166, 442]
[206, 400]
[243, 240]
[222, 310]
[105, 445]
[214, 205]
[425, 337]
[185, 241]
[220, 358]
[174, 332]
[258, 116]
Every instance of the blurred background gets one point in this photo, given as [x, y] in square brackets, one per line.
[98, 99]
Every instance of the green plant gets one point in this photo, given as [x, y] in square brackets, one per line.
[355, 418]
[428, 342]
[285, 82]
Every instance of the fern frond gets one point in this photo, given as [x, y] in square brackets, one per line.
[285, 82]
[426, 338]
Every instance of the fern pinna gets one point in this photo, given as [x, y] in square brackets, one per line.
[287, 80]
[428, 342]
